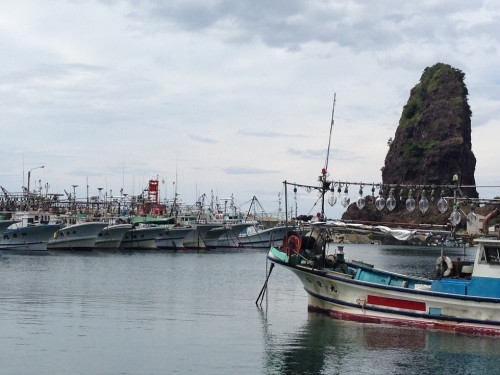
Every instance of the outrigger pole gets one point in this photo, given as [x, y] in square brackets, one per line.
[264, 287]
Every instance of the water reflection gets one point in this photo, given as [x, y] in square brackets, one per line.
[323, 345]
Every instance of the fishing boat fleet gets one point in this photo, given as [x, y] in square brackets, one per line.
[102, 236]
[36, 223]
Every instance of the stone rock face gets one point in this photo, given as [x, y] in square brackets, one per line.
[432, 144]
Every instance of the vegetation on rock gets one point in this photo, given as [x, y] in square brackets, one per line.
[432, 143]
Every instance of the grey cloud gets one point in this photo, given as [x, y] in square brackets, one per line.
[360, 25]
[247, 170]
[307, 153]
[202, 139]
[266, 134]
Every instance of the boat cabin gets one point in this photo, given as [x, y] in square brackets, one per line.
[484, 279]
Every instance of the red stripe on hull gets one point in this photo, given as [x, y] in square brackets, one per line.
[395, 302]
[362, 317]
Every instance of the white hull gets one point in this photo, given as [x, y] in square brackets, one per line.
[4, 224]
[230, 237]
[173, 238]
[28, 239]
[265, 238]
[141, 238]
[375, 296]
[111, 237]
[77, 237]
[195, 240]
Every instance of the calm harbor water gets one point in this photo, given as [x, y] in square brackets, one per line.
[189, 313]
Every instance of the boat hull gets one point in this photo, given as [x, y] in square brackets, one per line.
[195, 240]
[111, 237]
[29, 239]
[226, 237]
[343, 297]
[173, 238]
[77, 237]
[263, 239]
[142, 238]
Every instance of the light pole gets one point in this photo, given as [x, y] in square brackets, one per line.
[29, 175]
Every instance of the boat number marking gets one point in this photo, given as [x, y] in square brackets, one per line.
[333, 289]
[361, 302]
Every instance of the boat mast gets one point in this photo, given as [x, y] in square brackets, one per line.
[325, 184]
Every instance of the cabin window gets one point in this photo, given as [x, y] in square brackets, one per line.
[491, 255]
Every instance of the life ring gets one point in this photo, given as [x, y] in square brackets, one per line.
[292, 243]
[449, 265]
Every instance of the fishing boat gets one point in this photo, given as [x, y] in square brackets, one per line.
[27, 232]
[76, 237]
[173, 238]
[226, 236]
[111, 236]
[27, 239]
[464, 296]
[141, 238]
[195, 240]
[262, 238]
[144, 232]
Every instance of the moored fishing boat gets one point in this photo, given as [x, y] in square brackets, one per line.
[27, 239]
[464, 297]
[141, 238]
[262, 238]
[29, 232]
[195, 240]
[110, 237]
[76, 237]
[226, 236]
[173, 238]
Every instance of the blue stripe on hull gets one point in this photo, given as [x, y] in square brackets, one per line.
[402, 313]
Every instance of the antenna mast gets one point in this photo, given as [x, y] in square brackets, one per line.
[325, 184]
[331, 130]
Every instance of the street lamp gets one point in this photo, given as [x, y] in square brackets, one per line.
[29, 175]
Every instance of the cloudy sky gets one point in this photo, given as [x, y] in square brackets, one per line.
[228, 97]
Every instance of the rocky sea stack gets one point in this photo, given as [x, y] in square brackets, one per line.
[432, 144]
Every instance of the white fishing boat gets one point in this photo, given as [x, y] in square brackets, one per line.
[226, 236]
[173, 238]
[141, 237]
[77, 237]
[28, 232]
[27, 239]
[464, 297]
[111, 236]
[195, 240]
[261, 238]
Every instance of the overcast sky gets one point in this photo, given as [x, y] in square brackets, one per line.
[228, 97]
